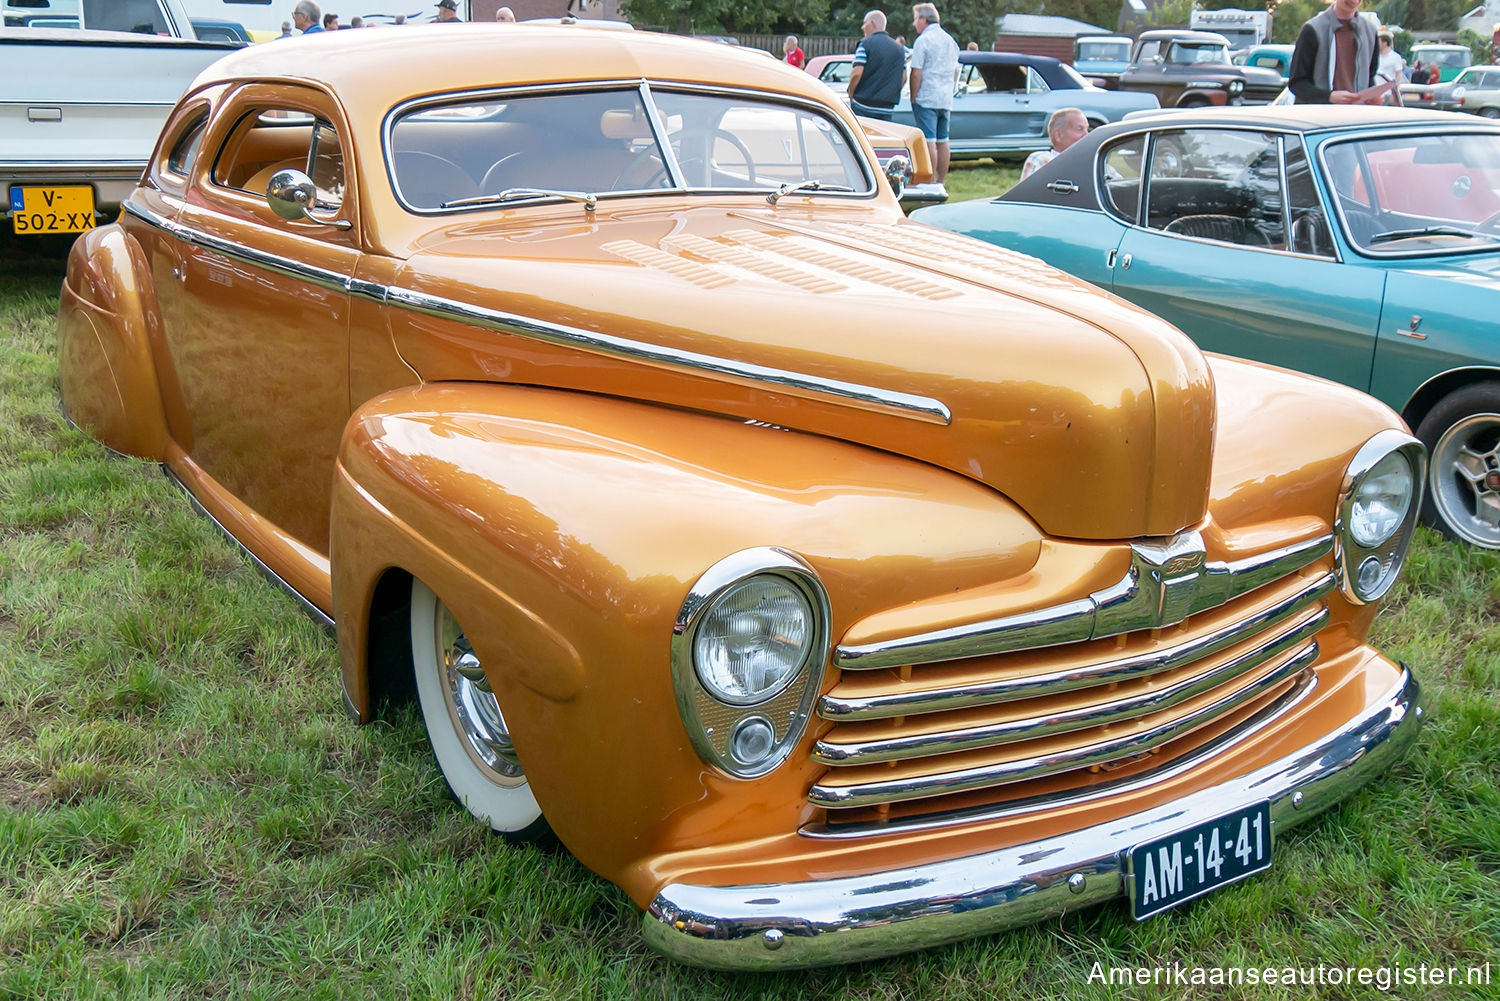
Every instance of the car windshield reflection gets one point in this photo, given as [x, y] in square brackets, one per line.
[1418, 194]
[468, 154]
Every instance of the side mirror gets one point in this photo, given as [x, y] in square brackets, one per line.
[898, 172]
[291, 193]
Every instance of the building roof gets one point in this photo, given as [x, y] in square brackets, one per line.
[1045, 24]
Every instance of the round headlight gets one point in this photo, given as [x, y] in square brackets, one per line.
[1381, 501]
[1235, 86]
[754, 639]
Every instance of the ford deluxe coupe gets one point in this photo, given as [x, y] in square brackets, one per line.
[834, 584]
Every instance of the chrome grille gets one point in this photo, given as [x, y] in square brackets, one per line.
[1136, 677]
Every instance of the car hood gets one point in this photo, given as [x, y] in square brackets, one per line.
[1094, 416]
[1473, 269]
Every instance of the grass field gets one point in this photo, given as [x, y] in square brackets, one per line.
[185, 811]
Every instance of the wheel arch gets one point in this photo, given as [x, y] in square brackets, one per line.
[108, 345]
[1434, 389]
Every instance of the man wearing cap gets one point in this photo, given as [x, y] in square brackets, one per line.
[306, 17]
[448, 11]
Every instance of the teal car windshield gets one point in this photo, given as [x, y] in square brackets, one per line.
[1418, 194]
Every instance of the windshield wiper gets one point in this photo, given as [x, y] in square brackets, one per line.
[588, 199]
[1411, 234]
[807, 184]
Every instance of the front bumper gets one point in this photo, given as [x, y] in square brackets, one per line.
[818, 923]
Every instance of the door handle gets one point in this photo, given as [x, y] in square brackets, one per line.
[1062, 187]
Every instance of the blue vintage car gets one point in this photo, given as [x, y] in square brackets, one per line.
[1003, 101]
[1358, 244]
[1102, 56]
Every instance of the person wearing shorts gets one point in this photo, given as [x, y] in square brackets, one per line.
[934, 71]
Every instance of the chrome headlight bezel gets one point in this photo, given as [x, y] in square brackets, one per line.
[1389, 554]
[712, 720]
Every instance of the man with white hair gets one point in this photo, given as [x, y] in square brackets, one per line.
[791, 54]
[307, 17]
[1064, 128]
[879, 70]
[505, 15]
[934, 71]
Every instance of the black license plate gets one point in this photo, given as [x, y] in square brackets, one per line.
[1163, 873]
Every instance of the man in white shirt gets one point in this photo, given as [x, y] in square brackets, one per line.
[934, 71]
[1064, 128]
[1390, 66]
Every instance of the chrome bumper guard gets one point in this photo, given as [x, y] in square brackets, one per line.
[823, 922]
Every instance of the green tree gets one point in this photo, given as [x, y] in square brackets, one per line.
[1477, 43]
[1169, 14]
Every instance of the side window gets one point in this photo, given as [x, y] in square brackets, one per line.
[1120, 183]
[143, 17]
[1310, 232]
[1034, 82]
[268, 140]
[1150, 50]
[1217, 184]
[185, 150]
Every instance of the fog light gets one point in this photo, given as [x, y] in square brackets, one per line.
[1370, 573]
[753, 741]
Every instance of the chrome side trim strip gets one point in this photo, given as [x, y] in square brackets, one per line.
[308, 608]
[271, 262]
[886, 706]
[940, 819]
[870, 398]
[899, 748]
[1168, 580]
[818, 922]
[984, 776]
[865, 397]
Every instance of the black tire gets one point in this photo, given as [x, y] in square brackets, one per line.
[1489, 112]
[1462, 435]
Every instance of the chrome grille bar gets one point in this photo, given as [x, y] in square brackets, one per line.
[891, 704]
[899, 790]
[974, 738]
[1167, 771]
[1168, 580]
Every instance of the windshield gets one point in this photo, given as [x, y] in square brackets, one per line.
[1443, 57]
[1200, 53]
[484, 151]
[1418, 194]
[1102, 51]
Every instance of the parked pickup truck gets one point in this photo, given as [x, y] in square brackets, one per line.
[1189, 69]
[80, 108]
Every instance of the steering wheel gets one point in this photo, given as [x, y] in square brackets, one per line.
[650, 153]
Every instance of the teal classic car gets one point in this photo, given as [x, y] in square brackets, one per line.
[1355, 243]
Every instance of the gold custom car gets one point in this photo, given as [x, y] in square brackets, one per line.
[835, 585]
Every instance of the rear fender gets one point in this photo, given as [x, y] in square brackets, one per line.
[107, 324]
[564, 531]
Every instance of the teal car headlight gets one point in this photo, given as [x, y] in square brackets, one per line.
[748, 649]
[1377, 514]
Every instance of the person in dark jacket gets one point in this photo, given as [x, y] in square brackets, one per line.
[879, 71]
[1336, 57]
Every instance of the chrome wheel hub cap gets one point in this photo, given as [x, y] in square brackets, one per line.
[1466, 479]
[471, 702]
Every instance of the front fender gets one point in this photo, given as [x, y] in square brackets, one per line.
[564, 531]
[107, 322]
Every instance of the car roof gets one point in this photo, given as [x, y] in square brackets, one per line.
[1292, 117]
[1006, 59]
[1185, 35]
[371, 71]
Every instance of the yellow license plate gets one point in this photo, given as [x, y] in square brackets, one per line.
[52, 209]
